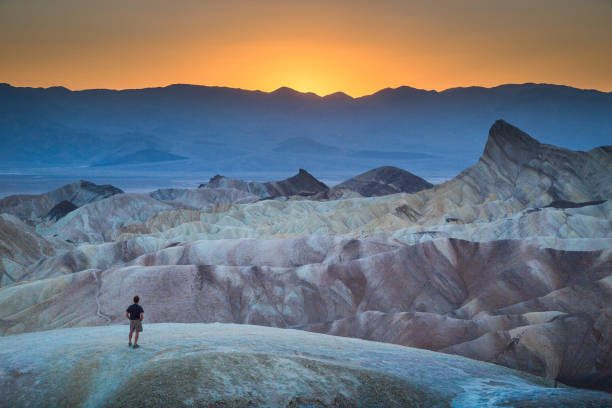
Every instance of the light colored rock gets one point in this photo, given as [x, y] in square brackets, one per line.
[334, 193]
[414, 295]
[516, 174]
[21, 246]
[204, 198]
[586, 228]
[101, 221]
[92, 256]
[184, 365]
[32, 207]
[302, 183]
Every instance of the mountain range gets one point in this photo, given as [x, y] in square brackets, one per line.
[188, 128]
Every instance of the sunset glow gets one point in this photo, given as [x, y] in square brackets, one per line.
[315, 46]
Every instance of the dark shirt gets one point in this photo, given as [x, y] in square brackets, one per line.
[135, 310]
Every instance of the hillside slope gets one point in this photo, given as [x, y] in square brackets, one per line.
[185, 365]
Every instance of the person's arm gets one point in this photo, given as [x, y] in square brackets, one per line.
[127, 315]
[141, 315]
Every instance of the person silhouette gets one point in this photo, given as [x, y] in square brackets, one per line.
[135, 313]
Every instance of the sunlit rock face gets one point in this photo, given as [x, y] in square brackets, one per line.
[189, 365]
[510, 262]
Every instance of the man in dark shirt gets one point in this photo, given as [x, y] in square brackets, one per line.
[135, 313]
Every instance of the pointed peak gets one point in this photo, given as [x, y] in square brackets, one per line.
[506, 133]
[507, 141]
[305, 179]
[303, 172]
[216, 177]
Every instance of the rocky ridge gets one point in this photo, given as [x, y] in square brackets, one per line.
[302, 183]
[21, 246]
[203, 199]
[32, 207]
[385, 180]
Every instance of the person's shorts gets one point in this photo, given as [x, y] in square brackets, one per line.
[135, 325]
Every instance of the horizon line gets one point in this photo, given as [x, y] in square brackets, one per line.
[309, 93]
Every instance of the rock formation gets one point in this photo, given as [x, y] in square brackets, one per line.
[302, 183]
[204, 198]
[101, 221]
[60, 210]
[385, 180]
[21, 246]
[516, 172]
[30, 207]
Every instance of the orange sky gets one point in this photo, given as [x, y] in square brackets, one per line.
[354, 46]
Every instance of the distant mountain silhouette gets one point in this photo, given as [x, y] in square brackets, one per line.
[222, 129]
[141, 156]
[304, 145]
[390, 155]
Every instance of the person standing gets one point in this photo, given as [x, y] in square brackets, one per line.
[135, 313]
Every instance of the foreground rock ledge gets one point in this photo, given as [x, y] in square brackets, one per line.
[240, 365]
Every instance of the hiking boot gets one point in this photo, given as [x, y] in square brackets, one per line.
[130, 344]
[136, 346]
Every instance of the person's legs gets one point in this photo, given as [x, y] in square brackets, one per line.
[131, 331]
[136, 338]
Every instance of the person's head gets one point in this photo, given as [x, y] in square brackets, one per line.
[136, 299]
